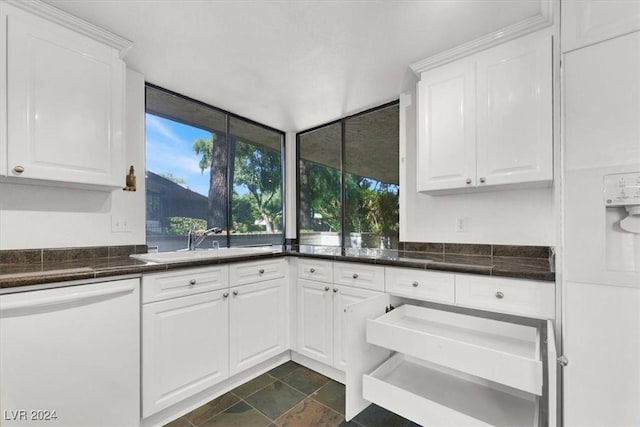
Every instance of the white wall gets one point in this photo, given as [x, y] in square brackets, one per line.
[518, 217]
[33, 216]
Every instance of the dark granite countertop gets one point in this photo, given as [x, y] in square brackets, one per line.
[44, 266]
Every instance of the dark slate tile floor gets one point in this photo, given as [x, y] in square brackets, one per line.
[289, 395]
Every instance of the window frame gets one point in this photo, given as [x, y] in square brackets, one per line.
[230, 160]
[343, 173]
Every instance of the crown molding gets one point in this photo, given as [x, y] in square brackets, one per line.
[544, 19]
[73, 23]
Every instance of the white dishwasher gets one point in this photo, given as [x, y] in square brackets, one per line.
[70, 356]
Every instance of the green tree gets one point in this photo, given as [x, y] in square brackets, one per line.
[245, 211]
[260, 171]
[322, 193]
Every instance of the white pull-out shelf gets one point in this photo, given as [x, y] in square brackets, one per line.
[430, 396]
[506, 353]
[453, 366]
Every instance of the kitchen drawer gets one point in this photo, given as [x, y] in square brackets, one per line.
[419, 284]
[415, 391]
[256, 271]
[313, 269]
[506, 353]
[179, 283]
[516, 296]
[359, 275]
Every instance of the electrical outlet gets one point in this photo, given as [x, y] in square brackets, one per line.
[119, 224]
[462, 224]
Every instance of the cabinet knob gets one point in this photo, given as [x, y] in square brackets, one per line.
[499, 295]
[235, 293]
[468, 181]
[225, 295]
[261, 271]
[192, 282]
[483, 180]
[335, 289]
[355, 275]
[415, 284]
[18, 169]
[312, 270]
[326, 288]
[563, 361]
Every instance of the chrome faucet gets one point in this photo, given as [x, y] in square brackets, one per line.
[194, 238]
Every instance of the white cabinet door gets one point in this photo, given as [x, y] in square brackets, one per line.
[342, 297]
[446, 127]
[487, 119]
[315, 320]
[514, 107]
[257, 323]
[65, 104]
[184, 348]
[586, 22]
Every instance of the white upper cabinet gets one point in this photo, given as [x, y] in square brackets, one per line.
[447, 121]
[486, 119]
[65, 101]
[514, 113]
[586, 22]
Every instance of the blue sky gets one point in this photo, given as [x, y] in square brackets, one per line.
[169, 150]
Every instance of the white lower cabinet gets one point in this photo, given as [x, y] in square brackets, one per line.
[257, 323]
[315, 320]
[197, 330]
[185, 345]
[321, 320]
[342, 297]
[459, 367]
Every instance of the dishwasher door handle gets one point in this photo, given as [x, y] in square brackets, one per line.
[101, 293]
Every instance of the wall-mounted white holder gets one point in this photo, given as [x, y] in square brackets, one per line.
[623, 189]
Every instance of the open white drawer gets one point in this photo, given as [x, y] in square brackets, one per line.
[452, 366]
[503, 352]
[430, 396]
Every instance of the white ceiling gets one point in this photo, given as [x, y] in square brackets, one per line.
[292, 64]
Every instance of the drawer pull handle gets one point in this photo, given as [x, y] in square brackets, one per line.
[235, 293]
[18, 169]
[355, 275]
[415, 284]
[335, 289]
[225, 295]
[499, 295]
[261, 271]
[313, 270]
[192, 282]
[326, 289]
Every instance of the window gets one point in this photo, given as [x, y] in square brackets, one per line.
[348, 181]
[208, 168]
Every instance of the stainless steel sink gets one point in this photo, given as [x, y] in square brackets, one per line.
[181, 256]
